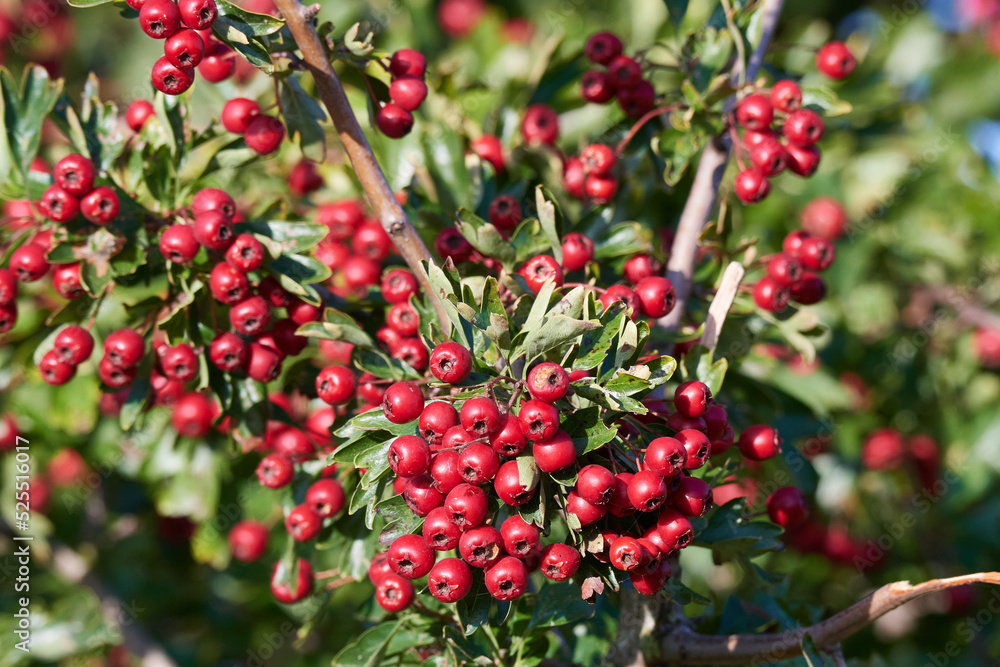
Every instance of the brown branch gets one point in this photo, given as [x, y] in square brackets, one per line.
[704, 190]
[689, 648]
[383, 200]
[721, 304]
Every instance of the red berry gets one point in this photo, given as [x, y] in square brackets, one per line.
[788, 507]
[288, 342]
[264, 134]
[520, 538]
[646, 491]
[101, 206]
[198, 14]
[753, 138]
[159, 18]
[184, 49]
[398, 285]
[809, 290]
[481, 546]
[440, 533]
[759, 442]
[227, 284]
[168, 78]
[336, 385]
[598, 159]
[421, 495]
[539, 420]
[509, 486]
[835, 60]
[74, 345]
[304, 582]
[624, 73]
[394, 121]
[770, 295]
[785, 269]
[192, 415]
[302, 312]
[803, 160]
[55, 371]
[466, 506]
[449, 580]
[603, 47]
[540, 125]
[246, 254]
[574, 178]
[371, 241]
[275, 471]
[58, 205]
[884, 449]
[666, 457]
[460, 17]
[180, 363]
[638, 100]
[303, 524]
[786, 96]
[620, 505]
[403, 402]
[554, 454]
[250, 316]
[755, 112]
[627, 554]
[451, 243]
[505, 212]
[303, 178]
[218, 63]
[824, 217]
[803, 127]
[325, 497]
[816, 254]
[642, 266]
[116, 377]
[478, 463]
[507, 579]
[480, 417]
[213, 230]
[489, 149]
[8, 287]
[656, 296]
[751, 186]
[600, 188]
[793, 242]
[769, 156]
[404, 319]
[178, 244]
[539, 269]
[692, 398]
[407, 62]
[548, 382]
[238, 113]
[124, 348]
[444, 471]
[67, 282]
[394, 593]
[29, 262]
[692, 497]
[595, 86]
[213, 199]
[409, 455]
[578, 251]
[408, 92]
[138, 113]
[620, 293]
[435, 419]
[650, 582]
[587, 513]
[698, 448]
[560, 561]
[263, 363]
[411, 557]
[674, 529]
[248, 541]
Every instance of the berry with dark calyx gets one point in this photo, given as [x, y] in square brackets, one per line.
[769, 156]
[67, 281]
[325, 497]
[692, 398]
[505, 212]
[444, 471]
[451, 362]
[539, 420]
[198, 14]
[540, 125]
[394, 593]
[466, 506]
[337, 385]
[218, 63]
[793, 242]
[507, 579]
[786, 96]
[138, 113]
[785, 269]
[421, 495]
[548, 382]
[250, 316]
[816, 254]
[511, 488]
[124, 348]
[803, 160]
[398, 285]
[478, 463]
[595, 484]
[228, 285]
[555, 453]
[480, 417]
[273, 292]
[159, 18]
[751, 186]
[539, 269]
[413, 352]
[755, 112]
[560, 561]
[600, 188]
[440, 533]
[394, 121]
[824, 217]
[180, 363]
[692, 497]
[603, 47]
[411, 557]
[214, 230]
[627, 554]
[646, 491]
[170, 79]
[788, 507]
[642, 266]
[624, 73]
[489, 149]
[656, 296]
[55, 371]
[638, 100]
[451, 244]
[58, 205]
[408, 92]
[808, 290]
[674, 529]
[520, 538]
[650, 582]
[481, 546]
[620, 293]
[803, 127]
[698, 448]
[263, 363]
[370, 240]
[275, 471]
[116, 377]
[407, 62]
[184, 49]
[456, 437]
[578, 251]
[574, 178]
[246, 254]
[770, 295]
[101, 206]
[304, 582]
[409, 455]
[74, 345]
[587, 513]
[666, 457]
[178, 244]
[449, 580]
[238, 113]
[248, 541]
[595, 86]
[29, 262]
[435, 419]
[264, 134]
[759, 442]
[835, 60]
[598, 159]
[8, 287]
[303, 524]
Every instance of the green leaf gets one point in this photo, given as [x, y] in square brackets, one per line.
[338, 326]
[677, 9]
[588, 430]
[550, 220]
[380, 365]
[287, 237]
[712, 374]
[554, 332]
[445, 289]
[485, 237]
[559, 604]
[375, 420]
[595, 343]
[24, 110]
[297, 274]
[621, 240]
[474, 609]
[244, 31]
[303, 117]
[825, 100]
[96, 131]
[678, 147]
[369, 648]
[135, 403]
[609, 399]
[729, 534]
[400, 519]
[492, 318]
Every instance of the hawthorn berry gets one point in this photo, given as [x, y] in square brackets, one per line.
[824, 217]
[835, 60]
[624, 73]
[214, 230]
[410, 556]
[370, 240]
[168, 78]
[666, 457]
[439, 532]
[138, 113]
[787, 506]
[101, 206]
[398, 285]
[489, 149]
[67, 281]
[408, 92]
[29, 262]
[574, 178]
[444, 471]
[159, 18]
[692, 497]
[627, 554]
[650, 581]
[586, 512]
[74, 345]
[184, 49]
[755, 112]
[228, 285]
[248, 541]
[478, 463]
[769, 156]
[409, 455]
[435, 419]
[394, 593]
[759, 442]
[336, 385]
[785, 269]
[481, 546]
[421, 495]
[803, 127]
[404, 319]
[770, 295]
[288, 342]
[698, 447]
[325, 497]
[218, 63]
[178, 244]
[179, 362]
[114, 376]
[692, 398]
[540, 269]
[413, 352]
[540, 125]
[596, 87]
[263, 363]
[520, 538]
[600, 188]
[55, 371]
[539, 420]
[793, 242]
[507, 579]
[674, 529]
[816, 254]
[264, 134]
[394, 121]
[301, 312]
[304, 582]
[598, 159]
[642, 266]
[480, 417]
[560, 561]
[58, 205]
[555, 453]
[803, 160]
[250, 316]
[192, 415]
[302, 523]
[8, 287]
[603, 47]
[124, 348]
[786, 96]
[198, 14]
[505, 212]
[656, 296]
[578, 251]
[751, 186]
[246, 254]
[451, 244]
[466, 506]
[449, 580]
[509, 486]
[883, 449]
[638, 100]
[620, 293]
[548, 382]
[646, 491]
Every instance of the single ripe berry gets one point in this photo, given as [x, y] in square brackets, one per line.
[788, 507]
[666, 457]
[67, 281]
[520, 538]
[250, 316]
[436, 418]
[751, 186]
[786, 96]
[637, 100]
[603, 47]
[301, 312]
[480, 417]
[409, 455]
[692, 398]
[168, 78]
[650, 581]
[755, 112]
[759, 442]
[264, 134]
[101, 206]
[74, 345]
[554, 454]
[303, 524]
[398, 285]
[238, 113]
[620, 293]
[248, 541]
[646, 491]
[451, 244]
[809, 290]
[8, 287]
[449, 580]
[451, 362]
[246, 254]
[478, 463]
[408, 92]
[55, 371]
[513, 488]
[394, 593]
[444, 471]
[803, 127]
[642, 266]
[770, 295]
[466, 506]
[489, 149]
[548, 382]
[785, 269]
[124, 348]
[336, 385]
[407, 62]
[560, 561]
[440, 533]
[624, 73]
[159, 18]
[178, 244]
[596, 87]
[184, 49]
[803, 160]
[325, 497]
[627, 554]
[394, 121]
[116, 377]
[824, 217]
[697, 445]
[138, 113]
[540, 269]
[192, 415]
[792, 243]
[218, 63]
[600, 188]
[228, 352]
[692, 497]
[275, 471]
[228, 285]
[179, 362]
[884, 449]
[403, 402]
[481, 546]
[505, 212]
[769, 156]
[674, 529]
[370, 240]
[284, 590]
[58, 205]
[598, 159]
[509, 440]
[411, 557]
[539, 420]
[656, 296]
[304, 178]
[214, 230]
[835, 60]
[198, 14]
[816, 253]
[263, 363]
[578, 251]
[540, 125]
[574, 178]
[507, 579]
[595, 484]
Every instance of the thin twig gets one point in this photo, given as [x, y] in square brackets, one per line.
[383, 200]
[721, 304]
[701, 200]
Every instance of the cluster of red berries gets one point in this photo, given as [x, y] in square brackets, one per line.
[75, 193]
[888, 449]
[186, 28]
[263, 134]
[793, 274]
[591, 175]
[621, 79]
[407, 91]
